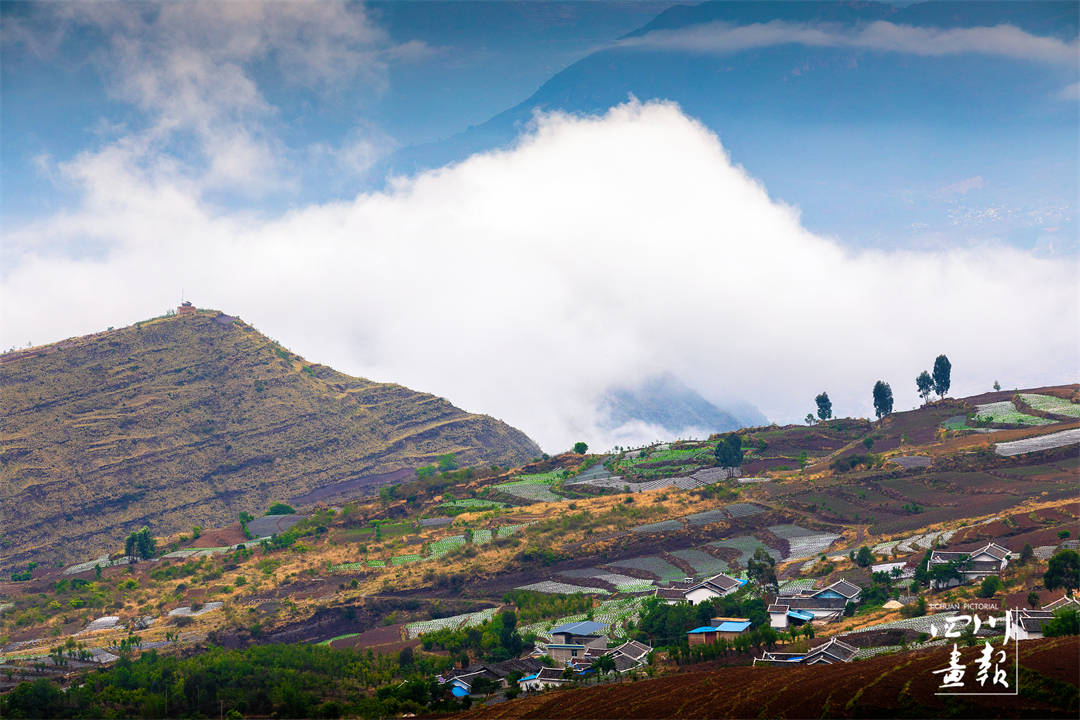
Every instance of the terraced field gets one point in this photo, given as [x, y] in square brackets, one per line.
[1042, 442]
[652, 564]
[803, 543]
[746, 545]
[454, 622]
[704, 564]
[1005, 413]
[1052, 404]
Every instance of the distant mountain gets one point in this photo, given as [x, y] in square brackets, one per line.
[848, 112]
[189, 420]
[741, 90]
[666, 402]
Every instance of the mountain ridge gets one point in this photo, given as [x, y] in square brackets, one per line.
[190, 420]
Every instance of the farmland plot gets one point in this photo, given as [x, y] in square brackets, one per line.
[803, 543]
[652, 564]
[1005, 413]
[441, 547]
[1042, 442]
[558, 588]
[348, 567]
[473, 504]
[885, 548]
[738, 510]
[481, 536]
[454, 622]
[625, 583]
[405, 559]
[707, 517]
[658, 526]
[1051, 404]
[746, 545]
[703, 563]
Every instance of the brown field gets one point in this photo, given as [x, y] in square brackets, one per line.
[890, 686]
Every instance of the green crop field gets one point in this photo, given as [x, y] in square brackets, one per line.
[1005, 413]
[1051, 404]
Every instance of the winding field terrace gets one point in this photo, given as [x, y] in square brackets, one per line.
[448, 550]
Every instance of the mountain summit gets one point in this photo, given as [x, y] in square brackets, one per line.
[191, 419]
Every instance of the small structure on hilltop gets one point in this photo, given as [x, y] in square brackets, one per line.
[828, 653]
[698, 591]
[573, 639]
[990, 559]
[721, 627]
[185, 308]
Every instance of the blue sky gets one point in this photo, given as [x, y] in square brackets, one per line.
[515, 205]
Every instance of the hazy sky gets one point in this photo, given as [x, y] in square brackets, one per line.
[212, 147]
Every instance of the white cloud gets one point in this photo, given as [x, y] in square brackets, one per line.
[1070, 92]
[959, 188]
[192, 70]
[523, 283]
[724, 38]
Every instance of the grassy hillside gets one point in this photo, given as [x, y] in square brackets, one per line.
[189, 420]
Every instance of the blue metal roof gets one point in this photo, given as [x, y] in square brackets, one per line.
[702, 629]
[583, 627]
[729, 626]
[529, 677]
[800, 615]
[459, 691]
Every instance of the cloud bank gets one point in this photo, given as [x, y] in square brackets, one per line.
[725, 38]
[522, 283]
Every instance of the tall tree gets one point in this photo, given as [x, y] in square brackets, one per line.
[883, 399]
[925, 383]
[761, 568]
[942, 375]
[1063, 571]
[824, 406]
[729, 452]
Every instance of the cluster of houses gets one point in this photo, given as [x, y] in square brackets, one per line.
[575, 651]
[577, 648]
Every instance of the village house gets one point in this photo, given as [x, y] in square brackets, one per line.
[1063, 601]
[628, 656]
[824, 605]
[828, 653]
[1028, 624]
[571, 640]
[698, 591]
[461, 680]
[543, 679]
[186, 308]
[720, 627]
[990, 559]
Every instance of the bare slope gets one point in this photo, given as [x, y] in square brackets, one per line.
[192, 419]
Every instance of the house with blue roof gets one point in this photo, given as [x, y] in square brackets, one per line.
[721, 627]
[823, 605]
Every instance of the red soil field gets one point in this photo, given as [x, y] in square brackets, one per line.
[891, 686]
